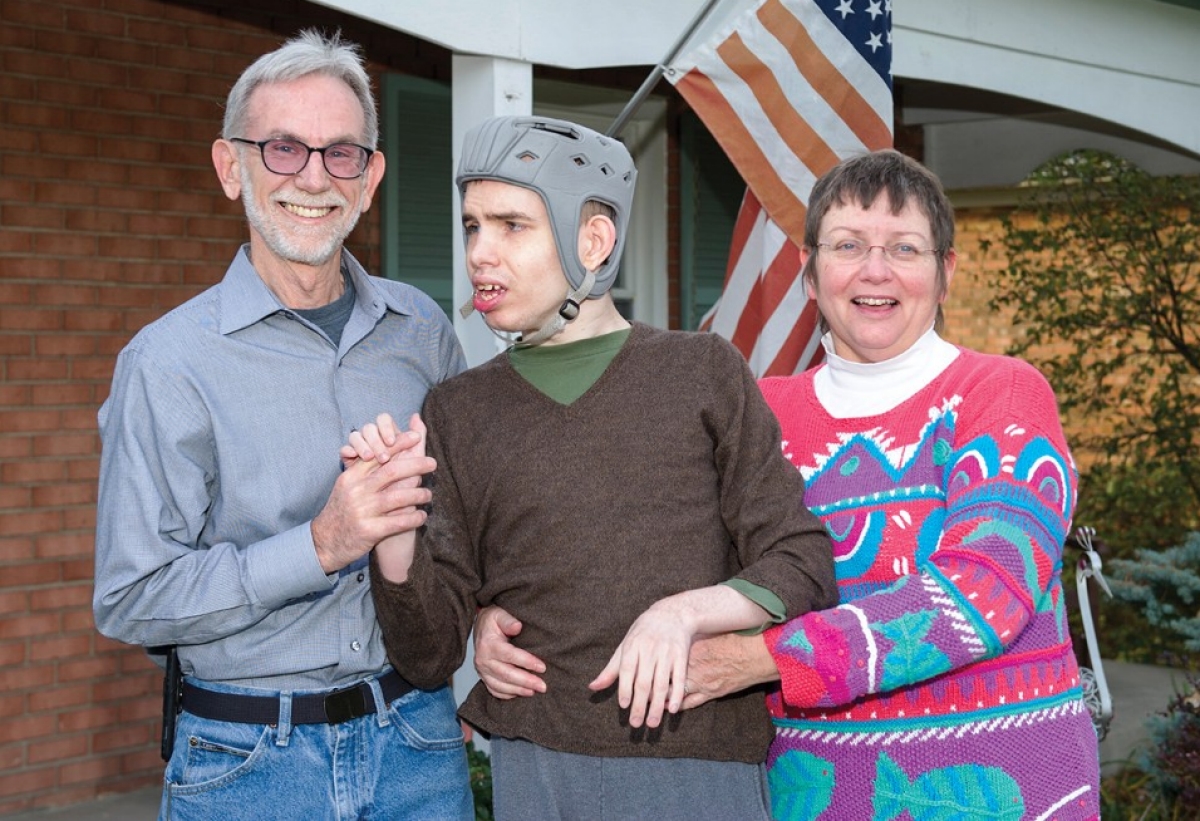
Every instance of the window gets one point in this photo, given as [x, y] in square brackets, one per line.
[710, 194]
[418, 186]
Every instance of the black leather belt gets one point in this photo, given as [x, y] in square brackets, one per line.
[316, 708]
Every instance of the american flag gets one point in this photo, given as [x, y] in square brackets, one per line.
[788, 88]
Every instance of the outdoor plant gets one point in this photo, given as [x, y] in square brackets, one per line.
[479, 767]
[1164, 585]
[1103, 283]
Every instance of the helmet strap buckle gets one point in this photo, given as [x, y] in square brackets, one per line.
[569, 310]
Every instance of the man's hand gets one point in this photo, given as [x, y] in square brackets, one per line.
[374, 499]
[720, 665]
[650, 665]
[505, 669]
[376, 440]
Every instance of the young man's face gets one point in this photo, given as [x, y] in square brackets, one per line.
[512, 258]
[303, 218]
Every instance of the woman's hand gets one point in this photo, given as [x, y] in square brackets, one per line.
[729, 663]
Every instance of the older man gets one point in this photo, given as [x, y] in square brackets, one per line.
[226, 527]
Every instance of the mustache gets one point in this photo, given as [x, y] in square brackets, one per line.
[331, 200]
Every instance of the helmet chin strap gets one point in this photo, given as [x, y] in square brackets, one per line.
[566, 313]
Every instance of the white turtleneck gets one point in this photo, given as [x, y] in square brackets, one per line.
[849, 390]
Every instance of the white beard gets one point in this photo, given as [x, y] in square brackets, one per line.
[301, 245]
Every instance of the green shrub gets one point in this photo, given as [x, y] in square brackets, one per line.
[480, 770]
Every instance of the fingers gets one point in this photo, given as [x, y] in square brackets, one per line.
[378, 494]
[382, 439]
[649, 684]
[405, 472]
[608, 676]
[508, 624]
[378, 437]
[357, 446]
[387, 430]
[651, 688]
[505, 669]
[382, 500]
[509, 681]
[417, 425]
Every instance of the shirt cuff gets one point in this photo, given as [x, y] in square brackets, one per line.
[285, 567]
[764, 598]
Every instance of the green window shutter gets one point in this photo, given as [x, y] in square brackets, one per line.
[710, 193]
[418, 186]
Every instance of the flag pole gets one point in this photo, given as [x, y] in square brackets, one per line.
[656, 74]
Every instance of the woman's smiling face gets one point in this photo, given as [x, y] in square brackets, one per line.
[877, 307]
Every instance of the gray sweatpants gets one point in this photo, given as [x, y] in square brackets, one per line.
[532, 783]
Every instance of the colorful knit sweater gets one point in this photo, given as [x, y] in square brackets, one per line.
[944, 685]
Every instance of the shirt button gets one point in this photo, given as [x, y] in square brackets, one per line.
[361, 576]
[355, 646]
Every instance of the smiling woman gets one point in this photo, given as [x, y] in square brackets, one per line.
[947, 486]
[876, 306]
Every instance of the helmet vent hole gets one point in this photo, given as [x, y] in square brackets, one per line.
[527, 156]
[580, 160]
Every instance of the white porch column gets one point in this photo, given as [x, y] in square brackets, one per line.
[482, 87]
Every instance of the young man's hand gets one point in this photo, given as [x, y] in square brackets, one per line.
[377, 496]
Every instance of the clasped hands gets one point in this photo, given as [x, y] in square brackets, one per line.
[378, 494]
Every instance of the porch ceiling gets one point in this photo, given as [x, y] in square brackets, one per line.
[1124, 66]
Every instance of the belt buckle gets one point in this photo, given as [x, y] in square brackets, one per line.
[345, 705]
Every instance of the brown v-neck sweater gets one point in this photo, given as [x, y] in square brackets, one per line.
[666, 475]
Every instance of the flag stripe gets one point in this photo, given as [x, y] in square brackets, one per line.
[827, 80]
[743, 147]
[797, 136]
[787, 88]
[803, 344]
[761, 305]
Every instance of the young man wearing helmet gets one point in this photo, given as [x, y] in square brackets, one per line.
[599, 474]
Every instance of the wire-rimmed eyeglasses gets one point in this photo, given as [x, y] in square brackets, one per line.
[853, 250]
[346, 161]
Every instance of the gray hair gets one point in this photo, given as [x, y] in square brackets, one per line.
[309, 52]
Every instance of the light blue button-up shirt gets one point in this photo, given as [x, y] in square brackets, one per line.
[220, 445]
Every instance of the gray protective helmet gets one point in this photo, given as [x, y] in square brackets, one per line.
[567, 165]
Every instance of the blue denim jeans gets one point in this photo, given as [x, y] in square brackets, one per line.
[407, 761]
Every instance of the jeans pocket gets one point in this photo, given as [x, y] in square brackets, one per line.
[214, 753]
[428, 720]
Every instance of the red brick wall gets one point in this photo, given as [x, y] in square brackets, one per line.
[110, 214]
[969, 320]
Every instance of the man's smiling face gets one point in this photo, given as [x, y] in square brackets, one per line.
[304, 218]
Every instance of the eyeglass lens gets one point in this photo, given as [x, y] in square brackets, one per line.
[343, 160]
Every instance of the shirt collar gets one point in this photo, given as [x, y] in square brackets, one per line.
[859, 389]
[246, 299]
